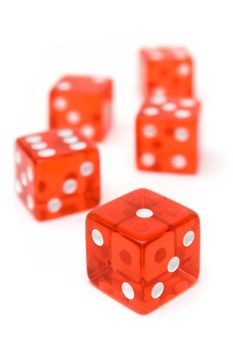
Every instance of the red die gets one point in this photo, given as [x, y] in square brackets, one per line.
[167, 134]
[57, 173]
[143, 249]
[82, 102]
[166, 68]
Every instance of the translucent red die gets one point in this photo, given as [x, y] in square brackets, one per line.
[57, 173]
[167, 69]
[167, 134]
[143, 249]
[82, 102]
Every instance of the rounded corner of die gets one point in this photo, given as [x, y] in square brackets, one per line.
[89, 217]
[17, 142]
[196, 217]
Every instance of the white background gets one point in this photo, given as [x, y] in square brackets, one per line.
[46, 300]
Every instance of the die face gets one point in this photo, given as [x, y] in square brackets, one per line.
[53, 144]
[82, 102]
[170, 68]
[167, 135]
[98, 248]
[143, 269]
[94, 85]
[187, 237]
[178, 250]
[113, 263]
[24, 177]
[65, 174]
[126, 214]
[76, 174]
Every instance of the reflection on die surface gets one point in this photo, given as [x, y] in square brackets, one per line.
[57, 173]
[169, 68]
[83, 102]
[167, 134]
[142, 249]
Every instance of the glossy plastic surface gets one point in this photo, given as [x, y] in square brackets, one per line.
[57, 173]
[168, 68]
[167, 135]
[84, 103]
[142, 249]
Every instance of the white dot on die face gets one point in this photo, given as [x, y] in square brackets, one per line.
[73, 117]
[65, 132]
[30, 202]
[18, 158]
[187, 102]
[184, 69]
[70, 186]
[150, 111]
[88, 131]
[158, 99]
[148, 159]
[97, 237]
[60, 103]
[54, 205]
[87, 168]
[18, 187]
[188, 238]
[70, 139]
[127, 290]
[149, 131]
[78, 146]
[179, 161]
[173, 264]
[64, 86]
[24, 180]
[181, 134]
[144, 213]
[159, 91]
[48, 152]
[169, 107]
[39, 145]
[157, 290]
[33, 139]
[30, 174]
[183, 113]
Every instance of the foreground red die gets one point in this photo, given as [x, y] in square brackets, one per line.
[167, 134]
[168, 69]
[57, 173]
[83, 102]
[143, 249]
